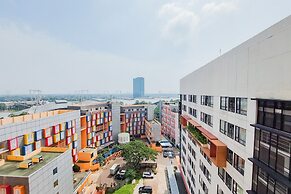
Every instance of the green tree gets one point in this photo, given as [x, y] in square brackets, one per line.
[131, 174]
[3, 106]
[136, 151]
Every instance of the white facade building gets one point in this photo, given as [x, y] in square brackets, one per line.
[221, 101]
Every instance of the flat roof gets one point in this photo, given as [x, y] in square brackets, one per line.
[10, 168]
[29, 117]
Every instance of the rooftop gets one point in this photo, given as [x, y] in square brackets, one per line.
[30, 117]
[10, 168]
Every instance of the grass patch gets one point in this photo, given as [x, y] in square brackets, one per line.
[126, 189]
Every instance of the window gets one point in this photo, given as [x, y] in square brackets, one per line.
[190, 110]
[263, 183]
[231, 104]
[240, 135]
[194, 98]
[241, 106]
[184, 108]
[56, 183]
[185, 97]
[234, 132]
[239, 164]
[190, 99]
[236, 189]
[207, 101]
[221, 173]
[228, 180]
[229, 156]
[205, 118]
[230, 130]
[55, 171]
[223, 127]
[224, 103]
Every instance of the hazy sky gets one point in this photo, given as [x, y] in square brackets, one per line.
[64, 46]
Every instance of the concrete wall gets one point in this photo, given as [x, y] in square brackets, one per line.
[42, 181]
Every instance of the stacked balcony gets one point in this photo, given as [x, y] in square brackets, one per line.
[209, 144]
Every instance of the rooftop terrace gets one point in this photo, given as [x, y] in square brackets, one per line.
[10, 168]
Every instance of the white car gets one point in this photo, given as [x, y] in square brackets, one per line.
[148, 175]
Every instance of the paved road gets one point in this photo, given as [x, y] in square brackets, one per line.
[159, 182]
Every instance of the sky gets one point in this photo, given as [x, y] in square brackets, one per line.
[101, 45]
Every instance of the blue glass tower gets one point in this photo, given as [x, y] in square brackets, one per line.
[138, 87]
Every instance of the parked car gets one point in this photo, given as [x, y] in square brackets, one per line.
[145, 189]
[171, 154]
[120, 175]
[147, 174]
[165, 154]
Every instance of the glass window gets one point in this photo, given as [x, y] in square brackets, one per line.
[55, 171]
[223, 126]
[239, 164]
[229, 156]
[230, 130]
[221, 173]
[236, 189]
[240, 135]
[224, 103]
[231, 104]
[241, 106]
[228, 180]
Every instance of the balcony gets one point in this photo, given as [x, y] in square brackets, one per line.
[209, 144]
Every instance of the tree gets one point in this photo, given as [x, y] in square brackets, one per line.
[131, 174]
[76, 168]
[3, 106]
[136, 151]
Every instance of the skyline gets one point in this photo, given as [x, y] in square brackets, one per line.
[87, 46]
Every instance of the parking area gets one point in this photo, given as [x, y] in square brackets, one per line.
[159, 182]
[105, 177]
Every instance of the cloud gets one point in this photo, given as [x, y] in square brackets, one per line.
[220, 7]
[179, 22]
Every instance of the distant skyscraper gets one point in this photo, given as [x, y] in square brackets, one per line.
[138, 87]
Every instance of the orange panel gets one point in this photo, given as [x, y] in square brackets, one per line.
[83, 139]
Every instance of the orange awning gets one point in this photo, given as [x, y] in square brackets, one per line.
[207, 134]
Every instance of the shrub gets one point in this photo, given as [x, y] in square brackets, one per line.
[76, 168]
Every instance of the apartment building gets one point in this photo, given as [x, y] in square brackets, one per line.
[236, 120]
[35, 151]
[96, 124]
[132, 118]
[170, 122]
[153, 131]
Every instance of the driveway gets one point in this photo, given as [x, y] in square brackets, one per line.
[159, 182]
